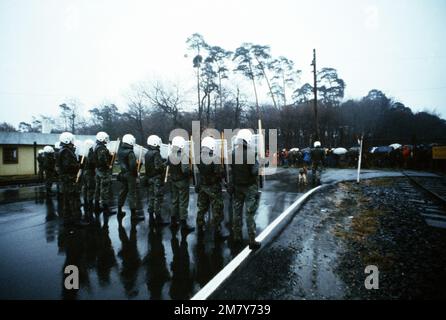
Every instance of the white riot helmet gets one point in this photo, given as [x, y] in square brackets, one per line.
[179, 142]
[89, 144]
[102, 137]
[154, 141]
[244, 135]
[66, 138]
[129, 139]
[48, 149]
[41, 151]
[317, 144]
[209, 143]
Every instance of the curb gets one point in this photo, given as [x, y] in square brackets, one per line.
[265, 237]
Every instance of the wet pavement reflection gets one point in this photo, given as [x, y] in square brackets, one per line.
[115, 260]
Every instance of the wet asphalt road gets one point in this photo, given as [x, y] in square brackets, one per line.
[128, 262]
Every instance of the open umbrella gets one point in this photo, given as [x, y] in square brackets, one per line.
[382, 149]
[340, 151]
[395, 146]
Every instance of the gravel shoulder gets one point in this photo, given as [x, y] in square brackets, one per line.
[323, 252]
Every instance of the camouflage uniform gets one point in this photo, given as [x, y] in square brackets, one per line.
[49, 168]
[88, 179]
[317, 158]
[209, 191]
[68, 168]
[243, 180]
[179, 176]
[103, 175]
[155, 169]
[127, 160]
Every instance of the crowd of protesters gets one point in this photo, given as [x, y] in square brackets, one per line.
[417, 157]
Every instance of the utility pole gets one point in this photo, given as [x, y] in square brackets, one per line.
[315, 95]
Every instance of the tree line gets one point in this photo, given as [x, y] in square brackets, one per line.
[227, 88]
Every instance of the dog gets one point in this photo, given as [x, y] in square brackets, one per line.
[303, 175]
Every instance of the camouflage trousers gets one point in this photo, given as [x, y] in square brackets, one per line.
[103, 187]
[316, 170]
[128, 188]
[155, 194]
[88, 186]
[247, 195]
[208, 196]
[180, 198]
[70, 198]
[50, 178]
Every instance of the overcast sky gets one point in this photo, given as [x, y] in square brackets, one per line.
[51, 50]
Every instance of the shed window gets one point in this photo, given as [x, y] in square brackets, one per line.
[10, 155]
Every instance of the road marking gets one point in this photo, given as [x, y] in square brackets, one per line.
[218, 279]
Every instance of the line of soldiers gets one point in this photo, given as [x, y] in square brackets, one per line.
[92, 175]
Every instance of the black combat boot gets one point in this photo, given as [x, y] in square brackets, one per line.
[97, 207]
[253, 244]
[107, 211]
[185, 228]
[200, 231]
[159, 221]
[174, 221]
[135, 217]
[121, 214]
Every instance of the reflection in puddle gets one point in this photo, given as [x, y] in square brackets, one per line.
[115, 261]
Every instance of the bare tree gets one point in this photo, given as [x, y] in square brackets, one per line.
[138, 109]
[167, 99]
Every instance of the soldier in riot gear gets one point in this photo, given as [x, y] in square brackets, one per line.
[102, 159]
[88, 177]
[127, 177]
[155, 168]
[179, 176]
[49, 168]
[68, 168]
[317, 158]
[243, 185]
[209, 188]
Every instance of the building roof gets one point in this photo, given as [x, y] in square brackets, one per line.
[41, 139]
